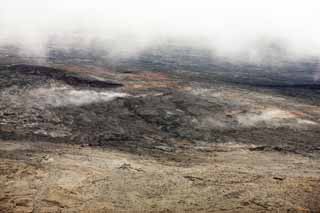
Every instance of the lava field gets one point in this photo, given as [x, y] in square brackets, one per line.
[223, 133]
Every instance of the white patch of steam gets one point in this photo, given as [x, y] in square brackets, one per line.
[62, 96]
[268, 116]
[272, 117]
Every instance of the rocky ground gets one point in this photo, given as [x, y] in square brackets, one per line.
[77, 137]
[47, 177]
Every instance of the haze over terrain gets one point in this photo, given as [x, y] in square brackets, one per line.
[234, 29]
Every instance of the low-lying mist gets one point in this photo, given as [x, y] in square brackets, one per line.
[244, 30]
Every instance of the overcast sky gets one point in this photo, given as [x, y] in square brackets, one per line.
[230, 26]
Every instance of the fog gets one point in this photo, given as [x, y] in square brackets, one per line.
[63, 96]
[229, 28]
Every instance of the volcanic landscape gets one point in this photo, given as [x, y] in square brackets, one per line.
[171, 130]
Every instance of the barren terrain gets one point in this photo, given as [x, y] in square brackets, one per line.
[157, 134]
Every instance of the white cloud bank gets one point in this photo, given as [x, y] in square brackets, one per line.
[231, 27]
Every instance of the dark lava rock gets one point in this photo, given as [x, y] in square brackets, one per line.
[135, 123]
[24, 75]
